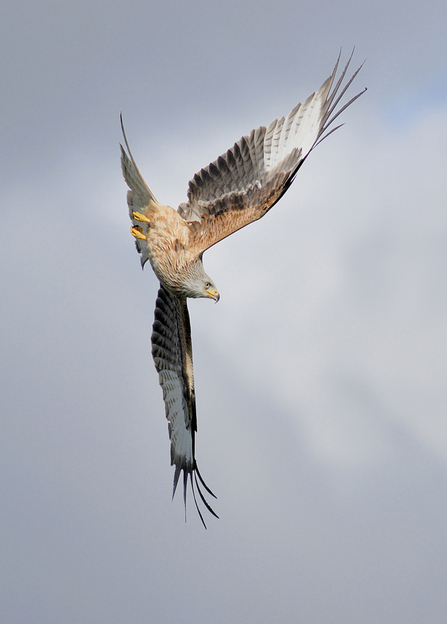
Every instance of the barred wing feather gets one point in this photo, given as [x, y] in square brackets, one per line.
[172, 353]
[139, 197]
[243, 184]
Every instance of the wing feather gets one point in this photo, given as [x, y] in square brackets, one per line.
[172, 353]
[243, 184]
[139, 198]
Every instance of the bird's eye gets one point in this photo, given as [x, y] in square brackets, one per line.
[207, 285]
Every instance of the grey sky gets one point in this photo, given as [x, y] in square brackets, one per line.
[320, 375]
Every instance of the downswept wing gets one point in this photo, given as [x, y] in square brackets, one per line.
[172, 353]
[243, 184]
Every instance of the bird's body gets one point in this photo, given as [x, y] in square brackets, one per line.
[240, 187]
[169, 234]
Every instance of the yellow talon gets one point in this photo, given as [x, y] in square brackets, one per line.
[135, 231]
[140, 217]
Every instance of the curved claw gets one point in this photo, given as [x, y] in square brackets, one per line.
[140, 217]
[135, 231]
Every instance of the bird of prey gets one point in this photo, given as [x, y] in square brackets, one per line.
[236, 189]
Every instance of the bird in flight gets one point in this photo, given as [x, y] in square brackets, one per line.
[236, 189]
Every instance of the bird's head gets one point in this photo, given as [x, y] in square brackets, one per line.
[199, 284]
[209, 290]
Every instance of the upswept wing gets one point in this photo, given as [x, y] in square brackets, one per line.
[172, 353]
[139, 198]
[243, 184]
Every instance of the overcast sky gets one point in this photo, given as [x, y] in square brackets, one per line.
[320, 375]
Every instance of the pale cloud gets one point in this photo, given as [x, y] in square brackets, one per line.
[344, 288]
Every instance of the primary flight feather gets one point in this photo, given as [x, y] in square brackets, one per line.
[236, 189]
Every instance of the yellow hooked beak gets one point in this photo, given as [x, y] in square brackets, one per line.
[213, 293]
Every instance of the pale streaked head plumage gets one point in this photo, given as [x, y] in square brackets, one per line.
[197, 284]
